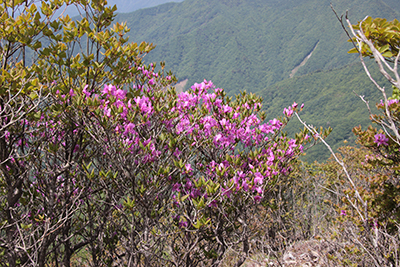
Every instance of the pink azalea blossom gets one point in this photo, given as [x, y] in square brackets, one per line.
[85, 90]
[258, 178]
[129, 128]
[245, 185]
[257, 198]
[188, 167]
[227, 109]
[288, 111]
[381, 139]
[120, 94]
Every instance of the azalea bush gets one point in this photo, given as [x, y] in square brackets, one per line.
[187, 173]
[102, 163]
[51, 206]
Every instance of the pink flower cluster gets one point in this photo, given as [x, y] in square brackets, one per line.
[390, 102]
[224, 127]
[288, 112]
[381, 139]
[222, 141]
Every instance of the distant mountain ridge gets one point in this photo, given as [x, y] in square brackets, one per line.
[254, 45]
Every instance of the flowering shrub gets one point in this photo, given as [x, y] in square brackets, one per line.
[199, 153]
[100, 157]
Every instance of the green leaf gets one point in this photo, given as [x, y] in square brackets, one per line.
[38, 115]
[26, 226]
[33, 95]
[184, 197]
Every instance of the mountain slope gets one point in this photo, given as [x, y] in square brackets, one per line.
[255, 45]
[247, 44]
[331, 100]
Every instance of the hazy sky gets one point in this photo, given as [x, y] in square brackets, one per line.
[125, 6]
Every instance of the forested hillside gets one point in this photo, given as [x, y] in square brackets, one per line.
[254, 44]
[331, 99]
[244, 44]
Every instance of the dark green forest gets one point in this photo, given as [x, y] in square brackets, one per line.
[254, 46]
